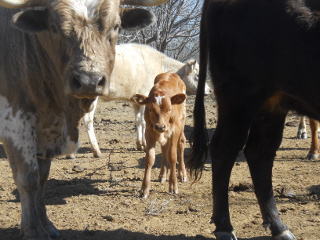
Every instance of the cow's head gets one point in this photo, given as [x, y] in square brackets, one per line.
[78, 37]
[159, 108]
[190, 75]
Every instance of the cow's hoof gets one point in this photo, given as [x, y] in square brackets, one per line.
[71, 156]
[312, 156]
[96, 153]
[286, 235]
[302, 135]
[54, 233]
[225, 236]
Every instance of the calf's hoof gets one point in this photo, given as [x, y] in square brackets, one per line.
[144, 194]
[140, 147]
[312, 156]
[286, 235]
[162, 179]
[225, 235]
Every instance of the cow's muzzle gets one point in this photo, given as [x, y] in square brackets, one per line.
[87, 85]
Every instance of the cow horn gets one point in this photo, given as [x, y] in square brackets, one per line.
[143, 2]
[22, 3]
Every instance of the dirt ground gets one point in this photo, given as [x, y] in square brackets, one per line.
[89, 198]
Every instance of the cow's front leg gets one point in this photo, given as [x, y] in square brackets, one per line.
[264, 140]
[26, 175]
[228, 139]
[148, 163]
[302, 129]
[44, 168]
[88, 123]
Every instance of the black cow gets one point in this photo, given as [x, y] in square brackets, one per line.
[264, 59]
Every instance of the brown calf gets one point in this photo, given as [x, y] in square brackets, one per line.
[302, 134]
[165, 119]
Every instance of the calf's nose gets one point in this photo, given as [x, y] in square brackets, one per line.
[160, 128]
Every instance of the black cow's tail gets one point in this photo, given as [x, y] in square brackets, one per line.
[199, 138]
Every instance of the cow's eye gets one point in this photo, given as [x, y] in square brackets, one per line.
[54, 28]
[116, 27]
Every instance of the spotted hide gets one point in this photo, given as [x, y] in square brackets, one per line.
[56, 57]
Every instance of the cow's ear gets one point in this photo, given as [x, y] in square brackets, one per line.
[178, 98]
[31, 20]
[191, 64]
[140, 99]
[133, 19]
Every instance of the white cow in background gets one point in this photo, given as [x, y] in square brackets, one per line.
[134, 71]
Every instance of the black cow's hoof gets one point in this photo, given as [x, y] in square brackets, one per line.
[225, 236]
[286, 235]
[54, 233]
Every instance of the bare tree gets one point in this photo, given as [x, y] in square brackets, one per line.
[176, 31]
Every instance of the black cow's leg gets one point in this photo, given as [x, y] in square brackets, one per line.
[44, 168]
[229, 138]
[263, 142]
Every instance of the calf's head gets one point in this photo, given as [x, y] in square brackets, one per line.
[77, 38]
[159, 108]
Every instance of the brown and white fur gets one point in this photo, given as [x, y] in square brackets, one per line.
[165, 115]
[56, 58]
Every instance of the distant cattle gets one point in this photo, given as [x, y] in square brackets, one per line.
[302, 134]
[165, 116]
[56, 57]
[264, 59]
[142, 63]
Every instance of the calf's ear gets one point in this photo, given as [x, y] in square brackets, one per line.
[178, 98]
[140, 99]
[133, 19]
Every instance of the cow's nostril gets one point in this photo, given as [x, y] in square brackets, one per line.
[102, 81]
[76, 83]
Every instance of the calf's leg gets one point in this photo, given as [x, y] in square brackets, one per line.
[181, 167]
[263, 142]
[164, 166]
[314, 149]
[148, 163]
[171, 152]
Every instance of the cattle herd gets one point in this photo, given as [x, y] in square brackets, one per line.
[58, 56]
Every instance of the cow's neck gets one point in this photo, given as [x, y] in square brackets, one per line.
[171, 64]
[44, 82]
